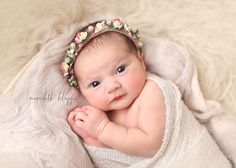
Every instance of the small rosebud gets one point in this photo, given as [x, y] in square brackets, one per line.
[90, 28]
[72, 45]
[67, 60]
[108, 22]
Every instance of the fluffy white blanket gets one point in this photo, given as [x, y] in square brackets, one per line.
[205, 28]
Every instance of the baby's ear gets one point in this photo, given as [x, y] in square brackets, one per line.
[141, 58]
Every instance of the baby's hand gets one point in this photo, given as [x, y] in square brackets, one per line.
[71, 121]
[91, 120]
[86, 138]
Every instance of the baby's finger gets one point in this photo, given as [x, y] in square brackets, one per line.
[80, 132]
[79, 123]
[81, 116]
[77, 109]
[71, 116]
[82, 109]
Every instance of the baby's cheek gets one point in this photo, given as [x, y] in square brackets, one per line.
[94, 98]
[98, 101]
[135, 82]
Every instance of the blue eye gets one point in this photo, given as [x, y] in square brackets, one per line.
[120, 69]
[95, 84]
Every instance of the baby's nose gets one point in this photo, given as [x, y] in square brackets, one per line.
[113, 86]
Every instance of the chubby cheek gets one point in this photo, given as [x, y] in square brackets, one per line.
[97, 100]
[134, 82]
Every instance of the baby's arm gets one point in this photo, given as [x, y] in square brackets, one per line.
[144, 140]
[134, 141]
[130, 140]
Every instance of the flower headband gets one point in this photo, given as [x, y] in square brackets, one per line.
[88, 33]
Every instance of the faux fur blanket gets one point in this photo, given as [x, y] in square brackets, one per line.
[205, 28]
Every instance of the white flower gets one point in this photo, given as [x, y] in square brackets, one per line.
[127, 28]
[72, 45]
[67, 60]
[100, 26]
[65, 68]
[90, 28]
[140, 44]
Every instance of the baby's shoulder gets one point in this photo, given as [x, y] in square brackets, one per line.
[152, 107]
[151, 87]
[151, 94]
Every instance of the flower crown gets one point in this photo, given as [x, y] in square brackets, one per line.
[88, 33]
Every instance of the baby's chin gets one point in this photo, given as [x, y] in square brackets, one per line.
[119, 107]
[121, 103]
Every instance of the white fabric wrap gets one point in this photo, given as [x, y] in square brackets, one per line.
[186, 143]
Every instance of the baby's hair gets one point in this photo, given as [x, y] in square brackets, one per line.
[97, 41]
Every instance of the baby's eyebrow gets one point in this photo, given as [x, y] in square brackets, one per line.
[86, 79]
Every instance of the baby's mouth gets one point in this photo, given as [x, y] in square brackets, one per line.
[117, 98]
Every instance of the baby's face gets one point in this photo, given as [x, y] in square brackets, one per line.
[110, 76]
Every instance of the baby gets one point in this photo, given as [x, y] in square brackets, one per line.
[133, 117]
[125, 109]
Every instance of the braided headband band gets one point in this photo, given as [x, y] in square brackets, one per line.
[87, 34]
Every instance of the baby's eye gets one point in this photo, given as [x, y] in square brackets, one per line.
[95, 84]
[120, 69]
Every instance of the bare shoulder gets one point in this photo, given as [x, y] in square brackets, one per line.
[152, 92]
[152, 111]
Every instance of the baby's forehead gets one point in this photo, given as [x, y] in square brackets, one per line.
[106, 51]
[104, 58]
[90, 67]
[105, 38]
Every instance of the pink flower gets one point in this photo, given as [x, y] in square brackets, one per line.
[117, 24]
[81, 36]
